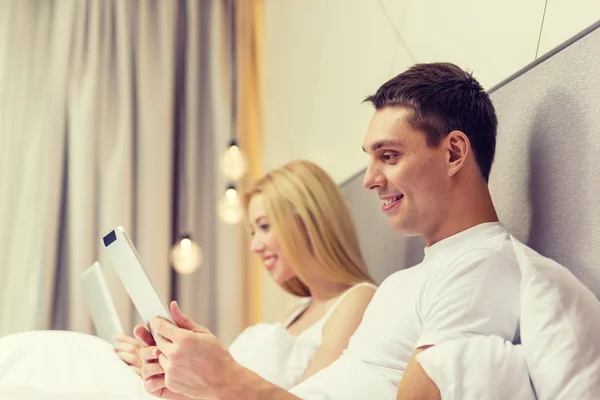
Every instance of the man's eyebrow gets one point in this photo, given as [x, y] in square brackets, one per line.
[384, 143]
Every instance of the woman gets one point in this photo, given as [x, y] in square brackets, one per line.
[302, 230]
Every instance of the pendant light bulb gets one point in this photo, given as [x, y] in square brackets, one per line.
[230, 207]
[186, 256]
[234, 163]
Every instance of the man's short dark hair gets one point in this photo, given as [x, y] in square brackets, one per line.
[444, 98]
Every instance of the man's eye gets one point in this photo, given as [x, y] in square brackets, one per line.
[388, 157]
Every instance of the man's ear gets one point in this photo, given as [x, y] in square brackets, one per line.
[458, 148]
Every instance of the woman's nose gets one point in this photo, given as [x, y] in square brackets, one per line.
[256, 245]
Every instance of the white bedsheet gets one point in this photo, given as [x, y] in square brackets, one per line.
[27, 393]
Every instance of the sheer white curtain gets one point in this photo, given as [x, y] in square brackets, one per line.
[90, 108]
[33, 74]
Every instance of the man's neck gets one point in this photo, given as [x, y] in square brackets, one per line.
[465, 213]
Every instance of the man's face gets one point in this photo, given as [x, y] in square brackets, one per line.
[410, 177]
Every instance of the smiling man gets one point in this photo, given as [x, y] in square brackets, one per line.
[431, 144]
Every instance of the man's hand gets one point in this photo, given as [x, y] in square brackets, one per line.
[191, 360]
[151, 371]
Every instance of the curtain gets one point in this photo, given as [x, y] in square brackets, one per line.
[32, 148]
[212, 296]
[113, 113]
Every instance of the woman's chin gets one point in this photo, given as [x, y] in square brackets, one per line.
[279, 277]
[274, 273]
[280, 280]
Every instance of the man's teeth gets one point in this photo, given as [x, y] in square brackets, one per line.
[392, 199]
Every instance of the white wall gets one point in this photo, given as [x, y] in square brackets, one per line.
[564, 19]
[322, 57]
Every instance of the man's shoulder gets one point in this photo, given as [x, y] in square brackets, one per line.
[483, 266]
[488, 258]
[494, 251]
[484, 255]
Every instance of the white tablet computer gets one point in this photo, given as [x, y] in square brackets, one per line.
[100, 304]
[126, 262]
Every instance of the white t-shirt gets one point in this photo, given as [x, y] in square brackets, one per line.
[467, 284]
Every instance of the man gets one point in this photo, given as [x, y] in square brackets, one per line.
[431, 144]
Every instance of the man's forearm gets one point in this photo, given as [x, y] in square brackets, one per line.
[249, 386]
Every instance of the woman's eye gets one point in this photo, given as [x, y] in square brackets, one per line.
[264, 227]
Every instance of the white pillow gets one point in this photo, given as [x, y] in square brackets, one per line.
[560, 329]
[478, 367]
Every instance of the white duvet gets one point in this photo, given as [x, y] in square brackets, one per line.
[59, 365]
[52, 365]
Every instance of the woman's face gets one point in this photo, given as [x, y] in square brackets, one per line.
[264, 242]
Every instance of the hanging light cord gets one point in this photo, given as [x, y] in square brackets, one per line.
[233, 66]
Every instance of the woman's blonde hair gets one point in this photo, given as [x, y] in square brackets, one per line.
[301, 194]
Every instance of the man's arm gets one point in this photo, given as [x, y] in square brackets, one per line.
[415, 383]
[247, 385]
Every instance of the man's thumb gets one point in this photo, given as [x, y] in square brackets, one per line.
[182, 320]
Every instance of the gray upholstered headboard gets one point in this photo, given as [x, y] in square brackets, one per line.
[545, 181]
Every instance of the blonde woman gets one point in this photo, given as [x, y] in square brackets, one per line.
[302, 231]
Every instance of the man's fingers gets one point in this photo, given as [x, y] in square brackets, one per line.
[155, 385]
[149, 354]
[163, 361]
[163, 328]
[164, 346]
[151, 369]
[183, 321]
[144, 335]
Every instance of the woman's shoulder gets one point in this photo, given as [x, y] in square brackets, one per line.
[357, 293]
[361, 293]
[350, 305]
